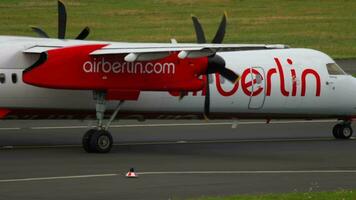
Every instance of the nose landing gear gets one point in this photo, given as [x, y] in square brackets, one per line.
[99, 139]
[343, 130]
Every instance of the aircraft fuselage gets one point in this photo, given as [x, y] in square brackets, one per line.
[293, 83]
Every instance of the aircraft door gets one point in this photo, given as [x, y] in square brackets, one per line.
[257, 89]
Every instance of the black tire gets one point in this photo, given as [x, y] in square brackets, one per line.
[336, 131]
[101, 141]
[345, 132]
[86, 140]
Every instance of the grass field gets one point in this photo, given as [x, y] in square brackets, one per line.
[327, 25]
[337, 195]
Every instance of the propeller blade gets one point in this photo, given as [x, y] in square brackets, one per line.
[41, 33]
[62, 20]
[229, 74]
[215, 63]
[199, 32]
[207, 99]
[84, 34]
[220, 33]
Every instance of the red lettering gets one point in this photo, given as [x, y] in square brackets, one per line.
[248, 81]
[222, 91]
[294, 80]
[269, 80]
[281, 77]
[317, 78]
[246, 85]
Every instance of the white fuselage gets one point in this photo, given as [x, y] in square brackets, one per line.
[288, 89]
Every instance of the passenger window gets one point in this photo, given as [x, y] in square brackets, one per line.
[2, 78]
[14, 78]
[334, 69]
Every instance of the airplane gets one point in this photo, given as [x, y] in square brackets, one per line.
[57, 78]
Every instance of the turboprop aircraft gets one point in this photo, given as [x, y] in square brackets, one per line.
[61, 78]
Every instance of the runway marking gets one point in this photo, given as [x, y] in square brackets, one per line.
[10, 129]
[38, 146]
[178, 142]
[56, 178]
[183, 124]
[232, 141]
[179, 173]
[249, 172]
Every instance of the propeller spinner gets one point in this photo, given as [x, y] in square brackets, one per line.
[62, 26]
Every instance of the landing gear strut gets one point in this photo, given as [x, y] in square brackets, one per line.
[343, 130]
[99, 139]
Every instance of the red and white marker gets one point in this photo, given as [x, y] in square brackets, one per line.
[131, 174]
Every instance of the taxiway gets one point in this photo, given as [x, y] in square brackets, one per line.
[174, 160]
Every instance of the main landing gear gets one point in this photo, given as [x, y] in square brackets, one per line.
[343, 130]
[99, 139]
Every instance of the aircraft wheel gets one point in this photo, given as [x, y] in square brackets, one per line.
[336, 131]
[101, 141]
[342, 131]
[345, 131]
[86, 140]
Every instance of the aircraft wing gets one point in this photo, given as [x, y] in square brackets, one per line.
[151, 51]
[125, 48]
[118, 49]
[41, 49]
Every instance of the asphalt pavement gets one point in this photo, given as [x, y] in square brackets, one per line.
[173, 159]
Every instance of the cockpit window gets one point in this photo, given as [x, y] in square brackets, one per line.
[334, 69]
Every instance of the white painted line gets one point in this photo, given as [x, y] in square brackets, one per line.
[230, 141]
[39, 146]
[170, 125]
[7, 147]
[249, 172]
[184, 124]
[181, 142]
[180, 173]
[58, 127]
[303, 121]
[135, 125]
[9, 129]
[176, 142]
[56, 178]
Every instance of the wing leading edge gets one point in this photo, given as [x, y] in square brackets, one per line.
[146, 52]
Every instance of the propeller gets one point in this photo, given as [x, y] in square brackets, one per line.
[216, 64]
[62, 26]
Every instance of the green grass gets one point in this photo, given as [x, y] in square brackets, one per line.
[337, 195]
[327, 25]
